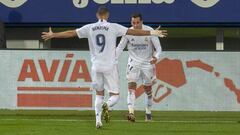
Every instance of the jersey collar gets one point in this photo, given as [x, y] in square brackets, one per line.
[102, 20]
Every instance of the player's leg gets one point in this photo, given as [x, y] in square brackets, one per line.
[148, 102]
[113, 99]
[97, 85]
[132, 77]
[131, 101]
[148, 80]
[131, 96]
[111, 82]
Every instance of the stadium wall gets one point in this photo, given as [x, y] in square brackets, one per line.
[60, 80]
[79, 12]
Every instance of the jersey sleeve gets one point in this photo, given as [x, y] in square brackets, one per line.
[157, 46]
[121, 46]
[120, 30]
[83, 32]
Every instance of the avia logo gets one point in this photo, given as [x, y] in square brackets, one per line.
[13, 3]
[29, 70]
[205, 3]
[43, 83]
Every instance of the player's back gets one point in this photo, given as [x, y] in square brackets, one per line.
[102, 37]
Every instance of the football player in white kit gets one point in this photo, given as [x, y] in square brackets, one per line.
[102, 37]
[144, 51]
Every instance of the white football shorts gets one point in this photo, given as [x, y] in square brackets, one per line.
[106, 80]
[147, 75]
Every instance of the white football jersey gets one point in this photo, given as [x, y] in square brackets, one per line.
[102, 37]
[141, 49]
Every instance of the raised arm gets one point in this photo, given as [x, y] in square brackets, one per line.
[138, 32]
[65, 34]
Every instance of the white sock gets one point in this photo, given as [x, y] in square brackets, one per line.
[98, 107]
[112, 100]
[148, 101]
[131, 101]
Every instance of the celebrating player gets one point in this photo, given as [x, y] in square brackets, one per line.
[102, 37]
[142, 58]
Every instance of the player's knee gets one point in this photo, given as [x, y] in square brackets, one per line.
[132, 85]
[148, 90]
[101, 93]
[97, 88]
[147, 87]
[113, 94]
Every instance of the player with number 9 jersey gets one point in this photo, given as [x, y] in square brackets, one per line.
[102, 37]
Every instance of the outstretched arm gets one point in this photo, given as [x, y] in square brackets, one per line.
[65, 34]
[138, 32]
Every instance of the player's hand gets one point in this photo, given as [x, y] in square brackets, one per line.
[158, 32]
[47, 35]
[153, 60]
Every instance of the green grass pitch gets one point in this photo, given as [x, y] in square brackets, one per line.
[43, 122]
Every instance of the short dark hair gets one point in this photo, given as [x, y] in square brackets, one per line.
[102, 10]
[136, 15]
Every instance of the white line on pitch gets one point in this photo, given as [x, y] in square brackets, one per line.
[138, 121]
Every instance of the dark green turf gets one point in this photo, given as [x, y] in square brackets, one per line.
[82, 123]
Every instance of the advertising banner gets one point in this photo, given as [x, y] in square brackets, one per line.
[61, 80]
